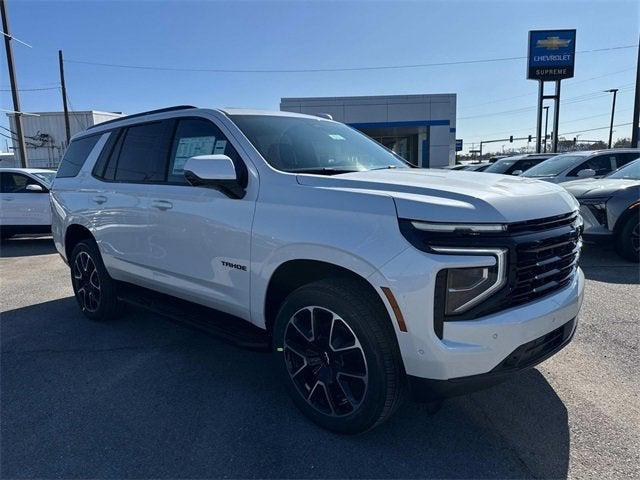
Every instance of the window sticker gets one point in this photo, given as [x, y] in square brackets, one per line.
[190, 147]
[220, 147]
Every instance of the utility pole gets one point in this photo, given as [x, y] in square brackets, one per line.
[613, 112]
[22, 147]
[635, 128]
[556, 118]
[546, 124]
[64, 97]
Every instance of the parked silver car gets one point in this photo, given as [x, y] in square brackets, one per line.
[575, 165]
[610, 208]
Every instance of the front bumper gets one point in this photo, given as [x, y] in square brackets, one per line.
[524, 357]
[594, 231]
[472, 347]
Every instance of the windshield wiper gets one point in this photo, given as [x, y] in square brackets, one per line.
[387, 167]
[323, 170]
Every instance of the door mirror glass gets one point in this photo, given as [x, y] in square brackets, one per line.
[214, 171]
[587, 172]
[516, 172]
[32, 187]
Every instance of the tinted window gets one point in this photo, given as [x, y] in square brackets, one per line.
[106, 154]
[45, 177]
[553, 166]
[631, 171]
[298, 144]
[602, 164]
[196, 136]
[624, 158]
[76, 155]
[15, 182]
[142, 155]
[501, 166]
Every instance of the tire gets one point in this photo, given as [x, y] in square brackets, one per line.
[628, 240]
[345, 372]
[95, 290]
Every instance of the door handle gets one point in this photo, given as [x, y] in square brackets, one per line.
[8, 199]
[162, 204]
[99, 199]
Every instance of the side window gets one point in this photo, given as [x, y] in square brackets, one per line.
[142, 154]
[76, 155]
[197, 136]
[15, 182]
[602, 164]
[106, 155]
[624, 158]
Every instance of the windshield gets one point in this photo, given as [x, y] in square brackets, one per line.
[45, 177]
[295, 144]
[553, 166]
[630, 171]
[501, 166]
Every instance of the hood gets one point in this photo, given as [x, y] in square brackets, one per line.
[455, 196]
[598, 187]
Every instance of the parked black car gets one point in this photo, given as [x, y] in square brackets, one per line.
[517, 164]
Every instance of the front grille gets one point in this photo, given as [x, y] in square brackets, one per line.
[542, 223]
[543, 266]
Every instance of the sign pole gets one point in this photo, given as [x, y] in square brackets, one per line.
[539, 122]
[556, 118]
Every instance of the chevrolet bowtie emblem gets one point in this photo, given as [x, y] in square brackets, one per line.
[553, 43]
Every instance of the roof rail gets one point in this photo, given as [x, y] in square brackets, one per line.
[142, 114]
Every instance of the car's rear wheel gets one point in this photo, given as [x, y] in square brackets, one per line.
[628, 241]
[338, 355]
[95, 290]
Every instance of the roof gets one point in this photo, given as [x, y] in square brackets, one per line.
[25, 170]
[272, 113]
[75, 112]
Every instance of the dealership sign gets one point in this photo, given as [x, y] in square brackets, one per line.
[551, 54]
[458, 144]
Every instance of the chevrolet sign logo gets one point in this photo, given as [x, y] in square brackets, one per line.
[553, 43]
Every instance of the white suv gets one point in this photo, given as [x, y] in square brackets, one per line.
[367, 278]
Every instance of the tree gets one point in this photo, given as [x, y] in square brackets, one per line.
[622, 143]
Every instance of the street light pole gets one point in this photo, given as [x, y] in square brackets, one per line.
[613, 112]
[546, 123]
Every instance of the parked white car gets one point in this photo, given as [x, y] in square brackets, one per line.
[364, 276]
[24, 201]
[585, 164]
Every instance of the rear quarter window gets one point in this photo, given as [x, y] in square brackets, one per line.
[76, 155]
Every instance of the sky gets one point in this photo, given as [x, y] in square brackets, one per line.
[494, 99]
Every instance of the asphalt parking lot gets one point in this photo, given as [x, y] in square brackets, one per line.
[145, 397]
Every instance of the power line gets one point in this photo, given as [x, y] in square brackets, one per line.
[30, 89]
[321, 70]
[504, 99]
[577, 99]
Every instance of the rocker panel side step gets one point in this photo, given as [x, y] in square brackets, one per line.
[227, 327]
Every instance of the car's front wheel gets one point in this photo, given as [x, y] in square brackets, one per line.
[628, 241]
[95, 290]
[338, 355]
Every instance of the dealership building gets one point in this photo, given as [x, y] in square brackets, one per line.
[420, 128]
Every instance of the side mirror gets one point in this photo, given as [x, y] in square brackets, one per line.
[587, 172]
[516, 172]
[32, 187]
[214, 171]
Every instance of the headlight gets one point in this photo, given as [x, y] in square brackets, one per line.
[598, 207]
[466, 287]
[460, 227]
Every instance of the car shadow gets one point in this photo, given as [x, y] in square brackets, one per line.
[27, 246]
[601, 263]
[144, 397]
